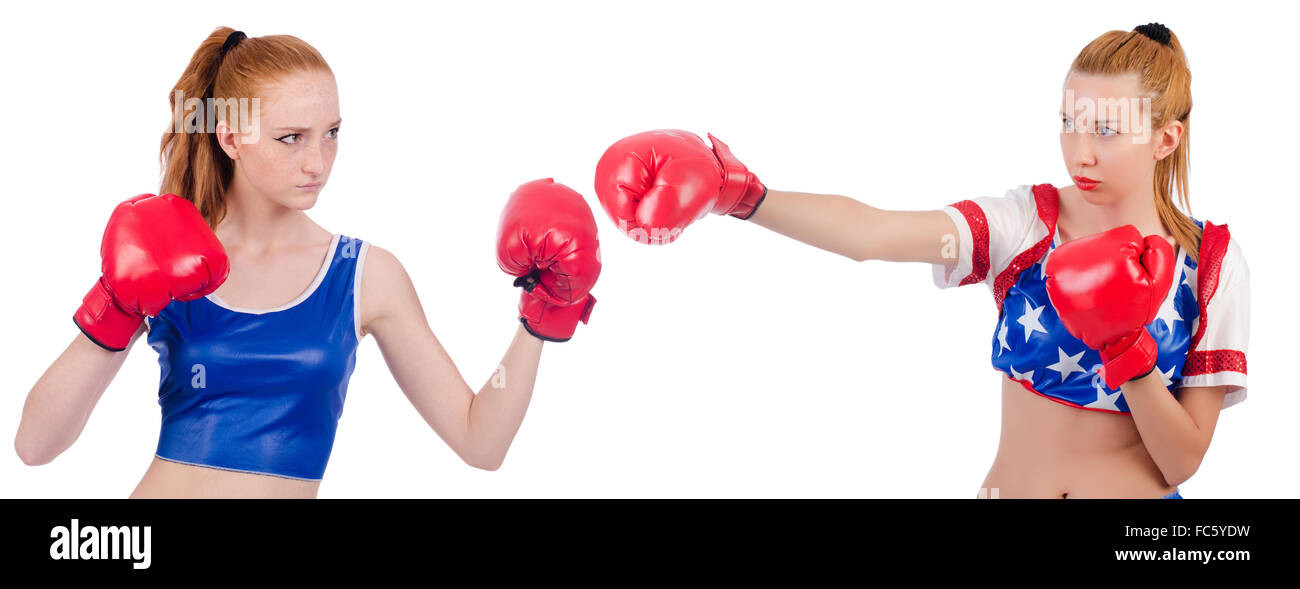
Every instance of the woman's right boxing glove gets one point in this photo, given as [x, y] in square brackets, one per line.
[155, 249]
[654, 184]
[1107, 288]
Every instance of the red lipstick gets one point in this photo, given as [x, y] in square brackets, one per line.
[1085, 183]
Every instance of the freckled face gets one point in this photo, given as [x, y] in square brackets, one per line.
[296, 140]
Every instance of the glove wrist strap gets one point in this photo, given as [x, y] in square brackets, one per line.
[741, 191]
[1130, 358]
[553, 323]
[103, 322]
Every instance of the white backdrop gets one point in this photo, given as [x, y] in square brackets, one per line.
[733, 363]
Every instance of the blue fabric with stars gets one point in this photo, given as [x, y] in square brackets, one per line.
[1032, 346]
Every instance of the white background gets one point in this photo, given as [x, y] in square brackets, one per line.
[733, 363]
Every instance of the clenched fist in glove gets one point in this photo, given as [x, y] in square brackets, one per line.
[654, 184]
[1106, 288]
[547, 239]
[155, 249]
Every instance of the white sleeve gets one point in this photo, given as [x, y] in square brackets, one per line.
[991, 231]
[1220, 356]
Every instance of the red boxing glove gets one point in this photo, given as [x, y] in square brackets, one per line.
[155, 249]
[547, 239]
[654, 184]
[1106, 288]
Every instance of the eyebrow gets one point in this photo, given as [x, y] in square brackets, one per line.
[1094, 122]
[305, 129]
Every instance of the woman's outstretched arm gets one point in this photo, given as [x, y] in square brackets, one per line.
[856, 230]
[656, 183]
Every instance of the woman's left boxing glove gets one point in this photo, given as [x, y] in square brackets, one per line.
[547, 240]
[155, 249]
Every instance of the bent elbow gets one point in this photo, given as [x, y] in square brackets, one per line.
[481, 459]
[854, 252]
[484, 464]
[1177, 481]
[1184, 472]
[31, 456]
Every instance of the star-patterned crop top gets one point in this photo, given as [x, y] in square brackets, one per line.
[1201, 330]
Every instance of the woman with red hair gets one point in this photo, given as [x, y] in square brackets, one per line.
[256, 311]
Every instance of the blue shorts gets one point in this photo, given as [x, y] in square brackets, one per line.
[1173, 495]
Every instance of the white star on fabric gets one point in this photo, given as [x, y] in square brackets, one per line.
[1030, 320]
[1002, 336]
[1105, 400]
[1025, 376]
[1169, 313]
[1067, 365]
[1166, 378]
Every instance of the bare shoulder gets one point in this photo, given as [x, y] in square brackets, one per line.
[386, 288]
[381, 266]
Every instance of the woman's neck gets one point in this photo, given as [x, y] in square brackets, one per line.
[1081, 218]
[258, 224]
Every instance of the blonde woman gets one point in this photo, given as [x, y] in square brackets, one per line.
[1118, 351]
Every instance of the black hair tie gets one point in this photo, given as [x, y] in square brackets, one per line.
[232, 40]
[1155, 31]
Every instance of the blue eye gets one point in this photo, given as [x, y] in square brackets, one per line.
[1106, 132]
[1067, 125]
[295, 138]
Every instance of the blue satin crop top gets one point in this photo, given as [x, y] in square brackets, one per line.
[260, 391]
[1032, 346]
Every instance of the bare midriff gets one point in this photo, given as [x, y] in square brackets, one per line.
[166, 479]
[1051, 450]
